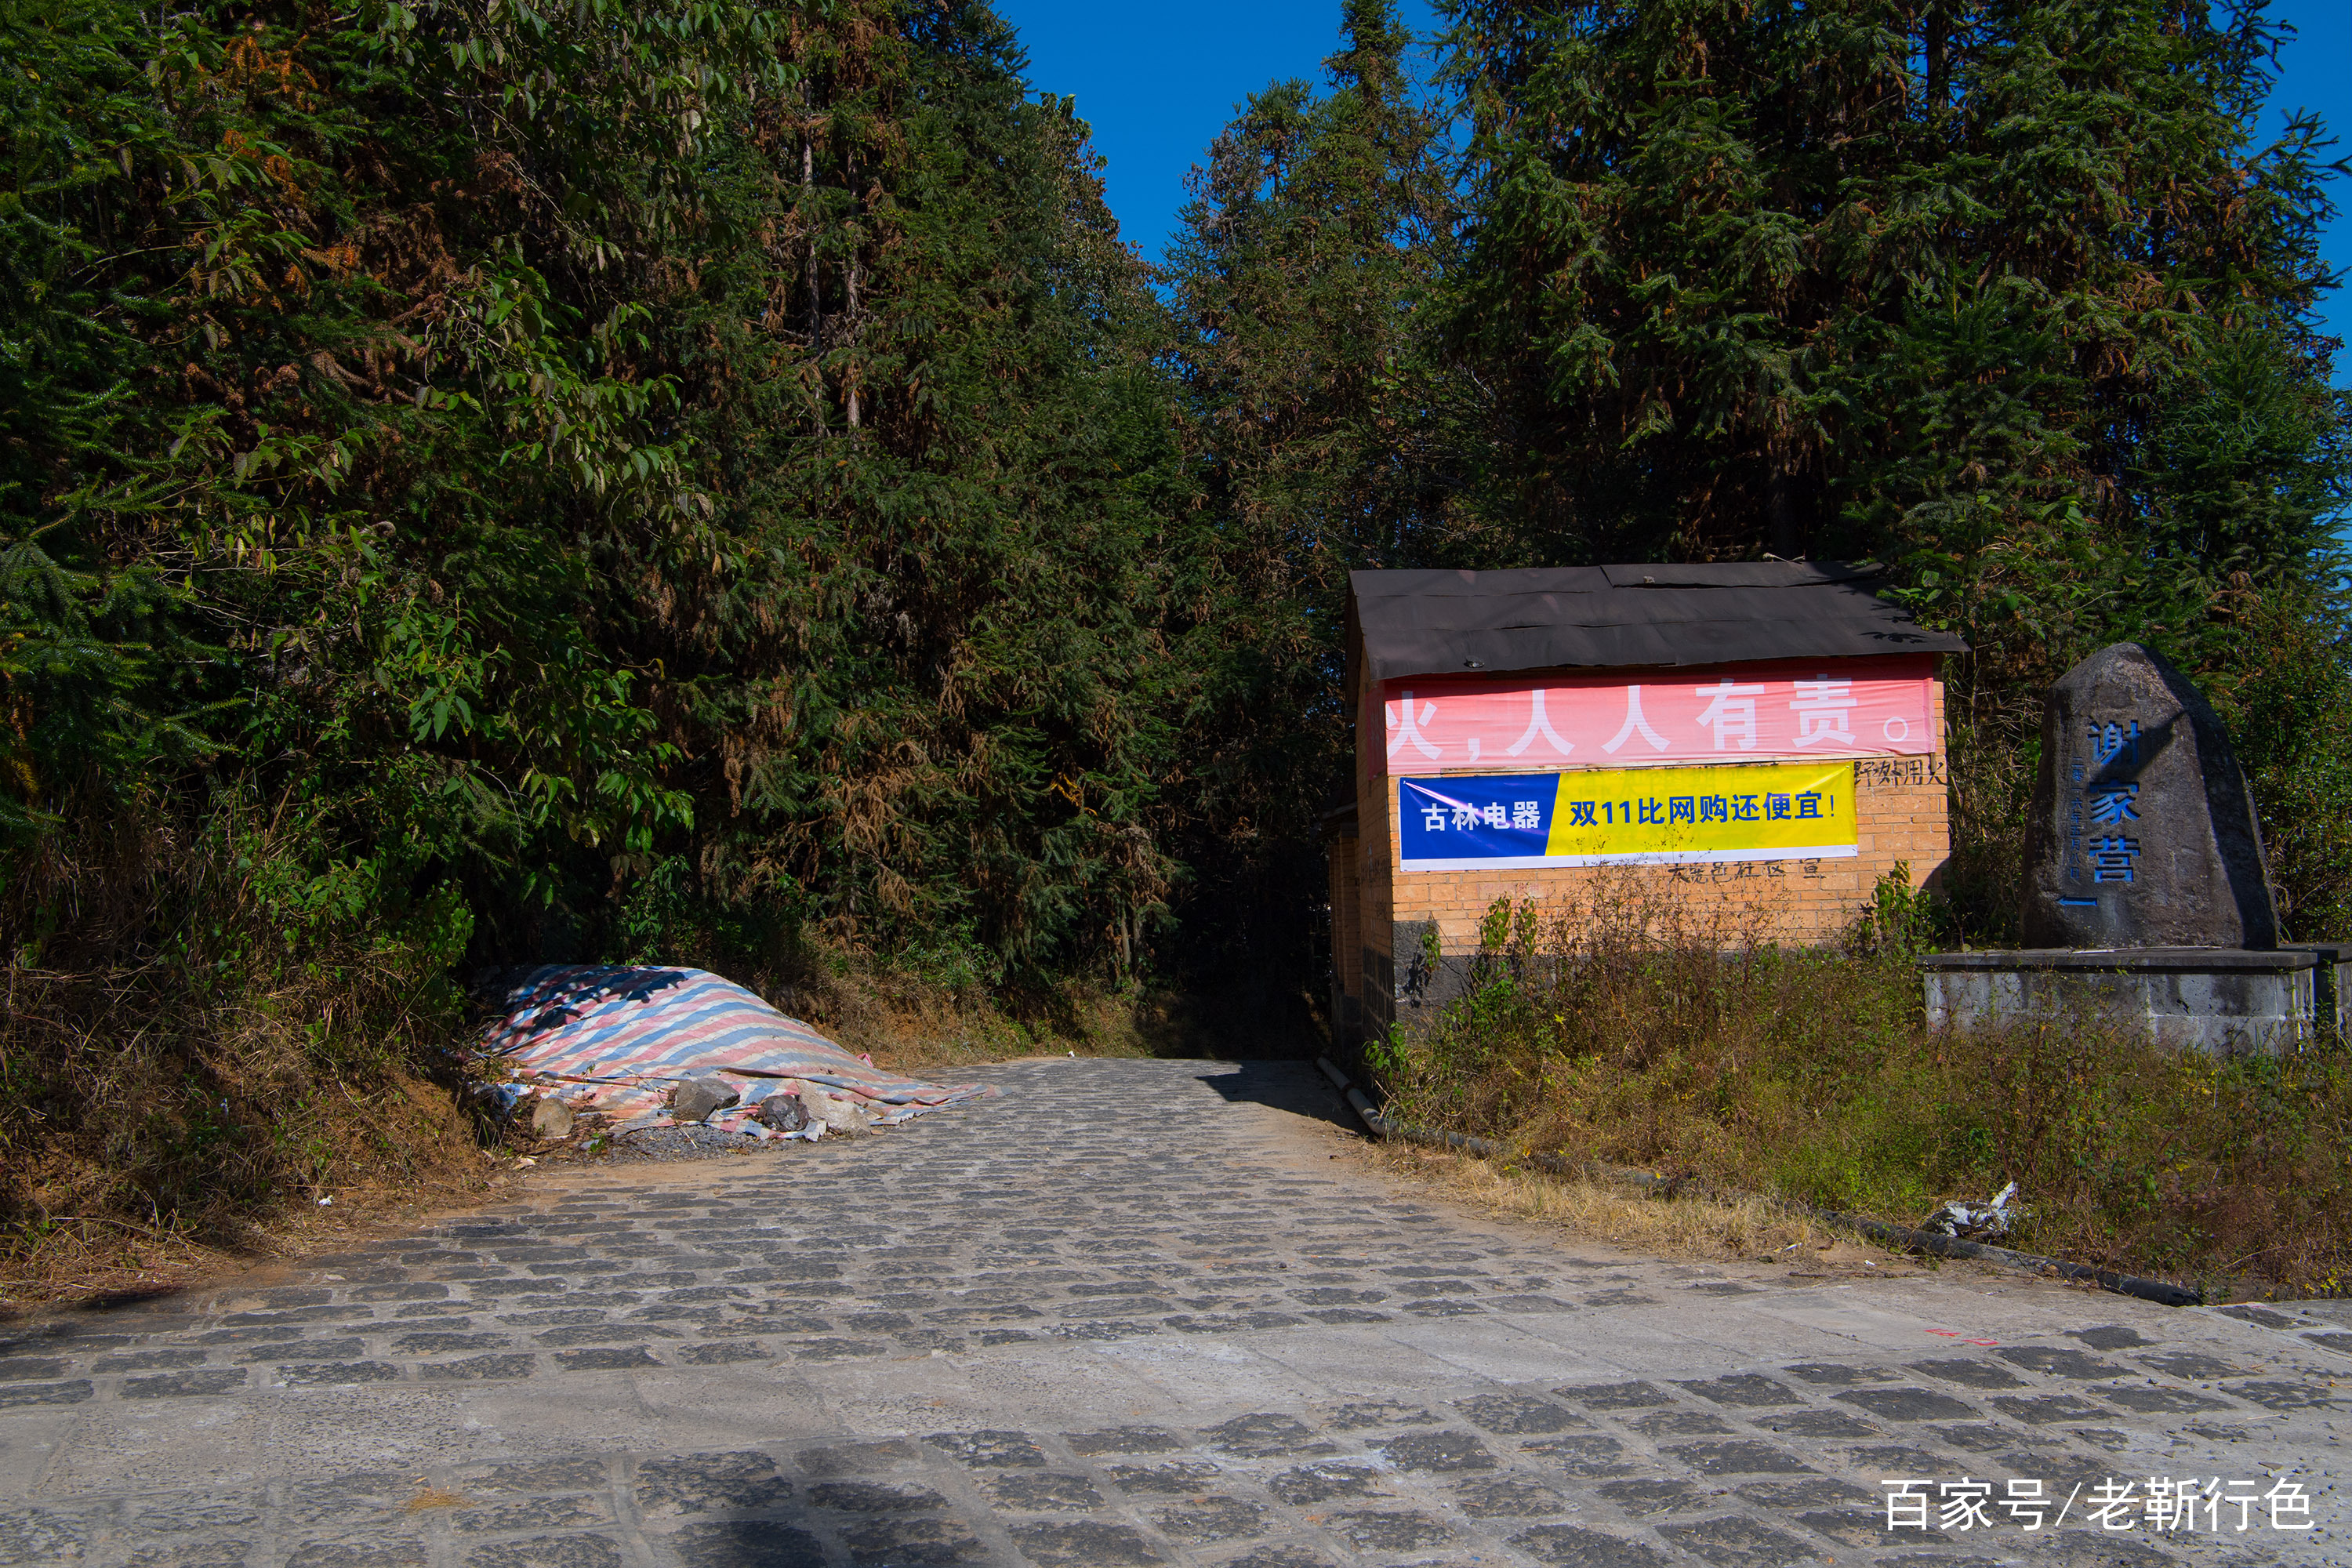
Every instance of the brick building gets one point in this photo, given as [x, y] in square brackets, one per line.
[1764, 741]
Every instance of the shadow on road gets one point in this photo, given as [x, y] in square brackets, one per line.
[1294, 1086]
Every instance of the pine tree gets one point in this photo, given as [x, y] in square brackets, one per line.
[2004, 295]
[1958, 286]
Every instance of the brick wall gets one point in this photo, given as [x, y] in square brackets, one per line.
[1901, 816]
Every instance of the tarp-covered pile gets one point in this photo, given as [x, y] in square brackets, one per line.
[619, 1041]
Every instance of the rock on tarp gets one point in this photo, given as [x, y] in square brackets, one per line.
[616, 1040]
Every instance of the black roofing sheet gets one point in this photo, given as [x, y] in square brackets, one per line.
[1449, 623]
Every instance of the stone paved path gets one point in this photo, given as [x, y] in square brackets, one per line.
[1133, 1314]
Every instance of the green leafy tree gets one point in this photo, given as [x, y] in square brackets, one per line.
[1327, 427]
[2004, 295]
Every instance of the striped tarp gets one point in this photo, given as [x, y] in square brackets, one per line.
[616, 1040]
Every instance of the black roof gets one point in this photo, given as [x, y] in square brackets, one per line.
[1450, 622]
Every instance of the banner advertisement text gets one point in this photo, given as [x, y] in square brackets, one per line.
[1603, 816]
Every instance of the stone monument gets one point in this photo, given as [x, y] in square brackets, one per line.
[2146, 896]
[2143, 831]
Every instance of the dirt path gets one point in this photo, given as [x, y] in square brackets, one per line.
[1133, 1312]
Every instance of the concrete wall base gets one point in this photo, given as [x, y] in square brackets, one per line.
[2224, 1000]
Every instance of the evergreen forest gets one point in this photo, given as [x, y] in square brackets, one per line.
[492, 482]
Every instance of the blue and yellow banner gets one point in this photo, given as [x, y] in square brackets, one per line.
[1604, 817]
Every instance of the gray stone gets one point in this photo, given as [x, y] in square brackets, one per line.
[703, 1483]
[72, 1393]
[1746, 1388]
[2221, 1000]
[1441, 1453]
[839, 1112]
[1125, 1440]
[1836, 1377]
[1321, 1483]
[334, 1373]
[531, 1513]
[1181, 1478]
[2194, 1364]
[2079, 1364]
[698, 1098]
[874, 1497]
[1616, 1395]
[618, 1358]
[1736, 1542]
[1285, 1556]
[2143, 831]
[551, 1119]
[1905, 1404]
[2160, 1401]
[548, 1552]
[1516, 1414]
[1643, 1498]
[1818, 1493]
[1968, 1371]
[1214, 1519]
[1678, 1424]
[783, 1113]
[1265, 1436]
[1403, 1530]
[169, 1385]
[746, 1543]
[1082, 1543]
[992, 1450]
[1573, 1546]
[1593, 1455]
[1817, 1424]
[1044, 1491]
[1738, 1458]
[2287, 1395]
[1506, 1496]
[20, 1368]
[1356, 1414]
[389, 1552]
[148, 1361]
[2049, 1408]
[1293, 1447]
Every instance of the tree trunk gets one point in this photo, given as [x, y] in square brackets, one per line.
[1938, 41]
[849, 281]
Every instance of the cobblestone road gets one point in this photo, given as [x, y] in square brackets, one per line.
[1132, 1313]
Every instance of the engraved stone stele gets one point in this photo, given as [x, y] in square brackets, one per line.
[2143, 831]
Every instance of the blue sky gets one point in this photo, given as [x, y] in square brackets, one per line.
[1156, 88]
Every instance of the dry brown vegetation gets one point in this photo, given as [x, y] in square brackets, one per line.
[1721, 1227]
[1633, 1031]
[182, 1056]
[170, 1108]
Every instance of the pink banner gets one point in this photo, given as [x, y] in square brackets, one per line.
[1845, 708]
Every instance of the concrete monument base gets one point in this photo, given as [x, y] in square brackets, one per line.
[2219, 999]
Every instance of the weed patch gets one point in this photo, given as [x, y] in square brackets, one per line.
[205, 1056]
[1629, 1029]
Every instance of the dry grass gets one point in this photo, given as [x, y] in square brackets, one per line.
[920, 1026]
[198, 1045]
[1701, 1227]
[1693, 1227]
[186, 1074]
[192, 1056]
[1632, 1033]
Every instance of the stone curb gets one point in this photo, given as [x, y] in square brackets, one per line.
[2162, 1292]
